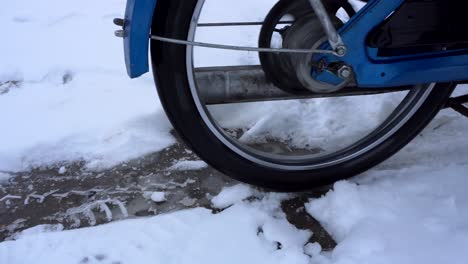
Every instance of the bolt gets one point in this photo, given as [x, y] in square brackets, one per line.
[120, 33]
[322, 65]
[341, 50]
[119, 22]
[345, 72]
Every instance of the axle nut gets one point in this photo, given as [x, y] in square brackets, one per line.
[345, 72]
[341, 51]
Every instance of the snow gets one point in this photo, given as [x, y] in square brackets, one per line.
[62, 170]
[71, 90]
[65, 97]
[184, 165]
[415, 216]
[158, 197]
[74, 100]
[411, 209]
[37, 230]
[313, 249]
[4, 177]
[230, 195]
[190, 236]
[308, 122]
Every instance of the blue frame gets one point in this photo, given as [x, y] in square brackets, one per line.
[370, 70]
[373, 71]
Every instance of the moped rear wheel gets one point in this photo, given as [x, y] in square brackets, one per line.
[285, 145]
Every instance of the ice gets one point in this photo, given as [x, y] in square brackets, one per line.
[188, 202]
[183, 165]
[88, 210]
[9, 197]
[231, 195]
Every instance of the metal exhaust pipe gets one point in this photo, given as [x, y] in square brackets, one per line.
[239, 84]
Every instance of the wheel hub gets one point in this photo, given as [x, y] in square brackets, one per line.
[295, 73]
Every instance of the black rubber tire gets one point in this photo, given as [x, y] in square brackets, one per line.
[172, 19]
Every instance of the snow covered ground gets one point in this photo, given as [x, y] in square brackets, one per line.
[64, 96]
[409, 216]
[72, 99]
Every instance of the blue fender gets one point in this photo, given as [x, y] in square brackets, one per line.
[137, 28]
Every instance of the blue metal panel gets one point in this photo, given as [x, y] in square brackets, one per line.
[138, 17]
[373, 71]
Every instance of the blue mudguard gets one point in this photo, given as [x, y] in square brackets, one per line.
[137, 27]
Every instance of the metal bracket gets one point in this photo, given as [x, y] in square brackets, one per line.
[333, 37]
[456, 103]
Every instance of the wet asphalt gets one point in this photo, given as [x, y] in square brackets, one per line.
[79, 198]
